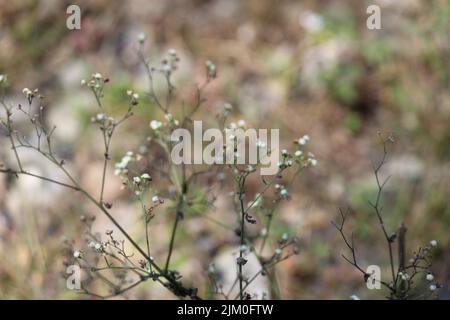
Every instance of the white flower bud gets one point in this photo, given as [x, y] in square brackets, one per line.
[77, 254]
[136, 180]
[430, 277]
[243, 248]
[141, 37]
[433, 243]
[155, 200]
[227, 106]
[146, 176]
[212, 268]
[155, 125]
[172, 52]
[167, 68]
[433, 287]
[312, 162]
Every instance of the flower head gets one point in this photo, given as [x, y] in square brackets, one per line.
[155, 125]
[141, 37]
[155, 200]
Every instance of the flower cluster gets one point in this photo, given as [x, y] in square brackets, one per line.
[31, 94]
[211, 69]
[122, 166]
[96, 83]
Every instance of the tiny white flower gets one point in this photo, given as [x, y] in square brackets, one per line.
[354, 297]
[167, 68]
[243, 248]
[303, 140]
[430, 277]
[312, 162]
[283, 192]
[241, 123]
[284, 152]
[278, 252]
[97, 76]
[298, 153]
[263, 232]
[141, 37]
[98, 246]
[227, 106]
[285, 237]
[83, 82]
[172, 52]
[169, 117]
[77, 254]
[211, 268]
[433, 287]
[27, 92]
[91, 244]
[145, 176]
[2, 78]
[155, 199]
[433, 243]
[155, 125]
[233, 125]
[136, 180]
[135, 96]
[211, 67]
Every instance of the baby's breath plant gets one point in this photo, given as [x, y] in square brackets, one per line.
[114, 257]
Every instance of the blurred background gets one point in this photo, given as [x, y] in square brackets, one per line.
[302, 66]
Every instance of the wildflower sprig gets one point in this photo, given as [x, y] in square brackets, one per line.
[405, 275]
[116, 258]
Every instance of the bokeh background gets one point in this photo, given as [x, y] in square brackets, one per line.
[301, 66]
